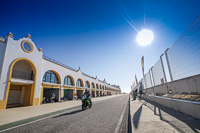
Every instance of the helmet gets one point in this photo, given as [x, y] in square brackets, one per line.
[86, 90]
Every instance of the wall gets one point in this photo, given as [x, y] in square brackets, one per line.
[2, 52]
[14, 51]
[189, 85]
[187, 107]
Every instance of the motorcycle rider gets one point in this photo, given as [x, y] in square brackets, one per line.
[87, 96]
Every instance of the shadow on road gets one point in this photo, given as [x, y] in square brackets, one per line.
[189, 121]
[136, 116]
[70, 113]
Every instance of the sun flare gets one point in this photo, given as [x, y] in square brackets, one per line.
[145, 37]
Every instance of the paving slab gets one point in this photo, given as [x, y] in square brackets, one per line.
[150, 117]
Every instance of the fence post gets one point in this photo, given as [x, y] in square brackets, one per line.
[163, 68]
[170, 72]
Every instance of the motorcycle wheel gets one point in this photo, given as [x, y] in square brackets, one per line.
[83, 107]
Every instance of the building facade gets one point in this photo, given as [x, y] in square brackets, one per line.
[28, 78]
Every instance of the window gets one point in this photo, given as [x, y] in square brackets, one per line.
[27, 46]
[68, 81]
[92, 85]
[78, 83]
[97, 86]
[87, 85]
[50, 77]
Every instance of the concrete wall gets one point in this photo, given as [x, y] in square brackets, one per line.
[189, 85]
[187, 107]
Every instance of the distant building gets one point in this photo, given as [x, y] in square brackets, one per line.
[28, 78]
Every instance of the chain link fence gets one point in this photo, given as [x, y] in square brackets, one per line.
[182, 59]
[148, 80]
[184, 54]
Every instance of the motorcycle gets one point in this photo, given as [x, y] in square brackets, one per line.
[86, 102]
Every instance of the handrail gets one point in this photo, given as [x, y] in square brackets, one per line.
[88, 75]
[59, 63]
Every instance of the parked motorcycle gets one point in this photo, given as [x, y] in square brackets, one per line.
[86, 102]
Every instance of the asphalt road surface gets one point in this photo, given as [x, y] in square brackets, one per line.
[106, 116]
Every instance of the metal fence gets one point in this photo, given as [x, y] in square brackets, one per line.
[148, 80]
[158, 73]
[184, 54]
[182, 59]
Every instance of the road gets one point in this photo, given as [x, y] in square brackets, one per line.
[106, 116]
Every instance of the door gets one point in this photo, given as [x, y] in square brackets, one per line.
[14, 97]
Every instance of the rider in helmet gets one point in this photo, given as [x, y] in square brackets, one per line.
[87, 95]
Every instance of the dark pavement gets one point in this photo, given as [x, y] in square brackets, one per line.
[103, 117]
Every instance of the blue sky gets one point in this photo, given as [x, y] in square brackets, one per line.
[94, 34]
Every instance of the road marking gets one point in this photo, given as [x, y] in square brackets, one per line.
[121, 118]
[72, 109]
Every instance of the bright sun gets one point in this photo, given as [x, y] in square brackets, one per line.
[145, 37]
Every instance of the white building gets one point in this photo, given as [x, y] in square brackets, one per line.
[27, 77]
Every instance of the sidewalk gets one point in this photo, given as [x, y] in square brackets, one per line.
[149, 117]
[21, 113]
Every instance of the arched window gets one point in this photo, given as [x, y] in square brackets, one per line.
[79, 83]
[100, 86]
[68, 81]
[93, 85]
[87, 84]
[22, 70]
[50, 77]
[97, 86]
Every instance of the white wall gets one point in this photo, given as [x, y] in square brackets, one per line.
[189, 84]
[14, 51]
[2, 52]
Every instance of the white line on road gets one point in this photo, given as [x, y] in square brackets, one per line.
[121, 118]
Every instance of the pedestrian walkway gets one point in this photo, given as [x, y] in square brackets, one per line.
[150, 117]
[21, 113]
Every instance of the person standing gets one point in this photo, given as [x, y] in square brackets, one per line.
[140, 89]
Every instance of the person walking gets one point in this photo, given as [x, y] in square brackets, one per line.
[140, 89]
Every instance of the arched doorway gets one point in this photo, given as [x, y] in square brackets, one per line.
[79, 88]
[68, 93]
[93, 89]
[21, 84]
[97, 90]
[51, 90]
[100, 93]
